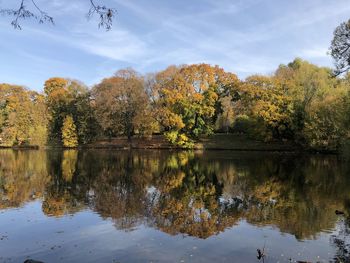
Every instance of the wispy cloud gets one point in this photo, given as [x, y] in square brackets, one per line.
[244, 36]
[117, 45]
[315, 52]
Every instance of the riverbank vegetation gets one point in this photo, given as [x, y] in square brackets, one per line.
[300, 103]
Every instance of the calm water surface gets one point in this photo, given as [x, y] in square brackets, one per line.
[161, 206]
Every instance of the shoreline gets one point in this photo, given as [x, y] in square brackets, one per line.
[216, 142]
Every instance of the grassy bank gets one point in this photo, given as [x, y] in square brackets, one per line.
[214, 142]
[241, 143]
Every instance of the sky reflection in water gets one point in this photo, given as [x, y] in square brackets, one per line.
[159, 206]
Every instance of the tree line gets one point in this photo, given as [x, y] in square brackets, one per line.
[299, 102]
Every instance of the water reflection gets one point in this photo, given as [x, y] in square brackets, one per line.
[192, 194]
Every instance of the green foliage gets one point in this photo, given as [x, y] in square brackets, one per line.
[226, 117]
[242, 124]
[300, 103]
[85, 118]
[69, 132]
[179, 139]
[68, 97]
[317, 103]
[187, 100]
[325, 126]
[268, 106]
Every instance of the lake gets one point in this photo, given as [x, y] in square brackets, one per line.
[164, 206]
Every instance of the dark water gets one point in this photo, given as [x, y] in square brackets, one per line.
[160, 206]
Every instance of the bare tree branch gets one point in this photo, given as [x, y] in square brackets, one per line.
[105, 14]
[44, 17]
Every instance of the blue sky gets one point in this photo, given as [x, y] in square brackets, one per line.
[242, 36]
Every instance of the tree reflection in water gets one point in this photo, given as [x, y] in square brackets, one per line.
[195, 194]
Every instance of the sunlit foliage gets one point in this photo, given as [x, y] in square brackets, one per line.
[300, 103]
[122, 105]
[68, 97]
[186, 100]
[23, 117]
[69, 132]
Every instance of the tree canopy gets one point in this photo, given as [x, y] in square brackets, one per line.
[301, 103]
[187, 100]
[122, 105]
[23, 116]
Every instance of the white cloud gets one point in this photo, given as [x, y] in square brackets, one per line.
[118, 45]
[245, 37]
[316, 52]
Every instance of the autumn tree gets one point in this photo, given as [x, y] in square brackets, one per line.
[307, 85]
[340, 48]
[301, 102]
[268, 107]
[69, 132]
[15, 112]
[186, 100]
[226, 118]
[325, 127]
[122, 104]
[22, 116]
[69, 97]
[56, 90]
[39, 119]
